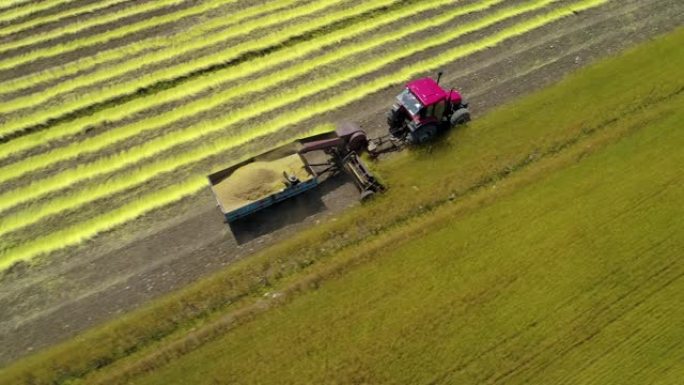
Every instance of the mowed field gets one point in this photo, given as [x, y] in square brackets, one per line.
[126, 159]
[546, 249]
[112, 113]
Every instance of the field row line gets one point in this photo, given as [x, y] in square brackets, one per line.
[12, 9]
[149, 44]
[225, 121]
[108, 73]
[72, 12]
[243, 71]
[72, 28]
[78, 233]
[180, 70]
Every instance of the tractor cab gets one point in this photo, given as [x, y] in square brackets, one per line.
[423, 108]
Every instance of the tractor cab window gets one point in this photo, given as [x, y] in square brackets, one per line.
[410, 102]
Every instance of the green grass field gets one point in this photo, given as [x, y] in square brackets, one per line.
[575, 278]
[540, 244]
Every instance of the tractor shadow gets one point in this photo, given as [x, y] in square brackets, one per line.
[288, 212]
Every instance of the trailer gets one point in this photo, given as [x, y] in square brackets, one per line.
[290, 170]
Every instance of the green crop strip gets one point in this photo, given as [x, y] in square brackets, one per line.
[162, 55]
[270, 60]
[223, 56]
[77, 27]
[78, 233]
[88, 8]
[243, 72]
[37, 212]
[153, 147]
[130, 50]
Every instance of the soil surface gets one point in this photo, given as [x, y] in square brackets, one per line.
[172, 247]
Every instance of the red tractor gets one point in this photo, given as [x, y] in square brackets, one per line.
[424, 109]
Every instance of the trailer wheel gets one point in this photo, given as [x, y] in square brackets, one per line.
[358, 142]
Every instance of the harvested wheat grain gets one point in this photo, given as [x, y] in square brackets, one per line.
[257, 180]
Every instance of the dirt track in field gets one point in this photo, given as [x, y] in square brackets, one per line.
[174, 246]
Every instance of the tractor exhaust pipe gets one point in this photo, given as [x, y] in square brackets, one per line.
[449, 102]
[439, 76]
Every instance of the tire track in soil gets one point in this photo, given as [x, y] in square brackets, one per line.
[89, 262]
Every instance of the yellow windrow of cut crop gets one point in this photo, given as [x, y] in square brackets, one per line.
[82, 231]
[175, 71]
[11, 10]
[245, 71]
[130, 52]
[224, 122]
[70, 28]
[233, 117]
[202, 84]
[106, 75]
[45, 19]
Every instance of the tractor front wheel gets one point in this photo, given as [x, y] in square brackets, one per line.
[460, 116]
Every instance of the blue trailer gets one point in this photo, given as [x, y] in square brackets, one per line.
[234, 209]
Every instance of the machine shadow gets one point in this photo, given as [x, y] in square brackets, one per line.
[285, 213]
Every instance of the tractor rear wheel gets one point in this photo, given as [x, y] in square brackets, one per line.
[398, 132]
[423, 134]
